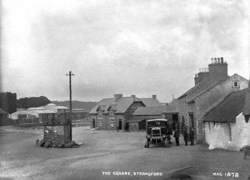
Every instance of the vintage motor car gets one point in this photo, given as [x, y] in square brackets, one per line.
[157, 132]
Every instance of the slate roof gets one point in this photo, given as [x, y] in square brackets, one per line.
[199, 89]
[246, 108]
[151, 110]
[120, 106]
[171, 108]
[228, 109]
[150, 102]
[50, 106]
[203, 87]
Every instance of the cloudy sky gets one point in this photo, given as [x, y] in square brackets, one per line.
[140, 47]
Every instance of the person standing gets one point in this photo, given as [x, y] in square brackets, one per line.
[169, 137]
[185, 135]
[176, 136]
[169, 133]
[192, 136]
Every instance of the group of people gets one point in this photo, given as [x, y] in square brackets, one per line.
[187, 136]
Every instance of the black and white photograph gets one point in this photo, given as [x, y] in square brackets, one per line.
[124, 89]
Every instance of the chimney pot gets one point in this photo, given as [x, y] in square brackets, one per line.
[217, 69]
[134, 97]
[117, 96]
[154, 96]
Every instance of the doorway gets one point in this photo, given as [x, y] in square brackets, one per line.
[142, 124]
[93, 123]
[175, 121]
[191, 117]
[120, 124]
[126, 126]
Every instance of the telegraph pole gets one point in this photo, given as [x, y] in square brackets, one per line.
[70, 74]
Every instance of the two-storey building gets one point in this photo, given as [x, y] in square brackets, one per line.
[212, 85]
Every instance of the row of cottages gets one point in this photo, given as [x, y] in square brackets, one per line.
[34, 115]
[227, 125]
[211, 86]
[117, 112]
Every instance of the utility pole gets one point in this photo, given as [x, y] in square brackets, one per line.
[70, 74]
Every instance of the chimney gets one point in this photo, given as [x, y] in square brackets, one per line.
[217, 69]
[134, 97]
[154, 96]
[201, 75]
[117, 97]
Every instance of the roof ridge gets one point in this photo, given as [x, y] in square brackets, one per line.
[239, 76]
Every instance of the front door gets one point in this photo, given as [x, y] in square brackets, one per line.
[120, 124]
[191, 117]
[142, 124]
[175, 121]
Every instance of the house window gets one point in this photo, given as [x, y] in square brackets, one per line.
[247, 117]
[236, 84]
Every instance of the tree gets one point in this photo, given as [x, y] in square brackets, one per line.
[32, 102]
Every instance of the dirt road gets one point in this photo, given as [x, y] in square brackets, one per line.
[112, 155]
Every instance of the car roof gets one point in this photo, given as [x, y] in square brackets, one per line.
[150, 120]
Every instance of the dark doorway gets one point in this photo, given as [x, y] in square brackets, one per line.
[175, 121]
[126, 126]
[120, 124]
[182, 123]
[93, 123]
[191, 116]
[142, 124]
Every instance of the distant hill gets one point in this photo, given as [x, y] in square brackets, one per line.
[76, 104]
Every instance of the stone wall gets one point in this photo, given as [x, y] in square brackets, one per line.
[55, 134]
[57, 131]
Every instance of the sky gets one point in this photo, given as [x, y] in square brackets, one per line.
[140, 47]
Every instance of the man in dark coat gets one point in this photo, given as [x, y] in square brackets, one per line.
[176, 136]
[185, 135]
[169, 136]
[192, 136]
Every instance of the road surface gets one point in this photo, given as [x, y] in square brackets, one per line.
[112, 155]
